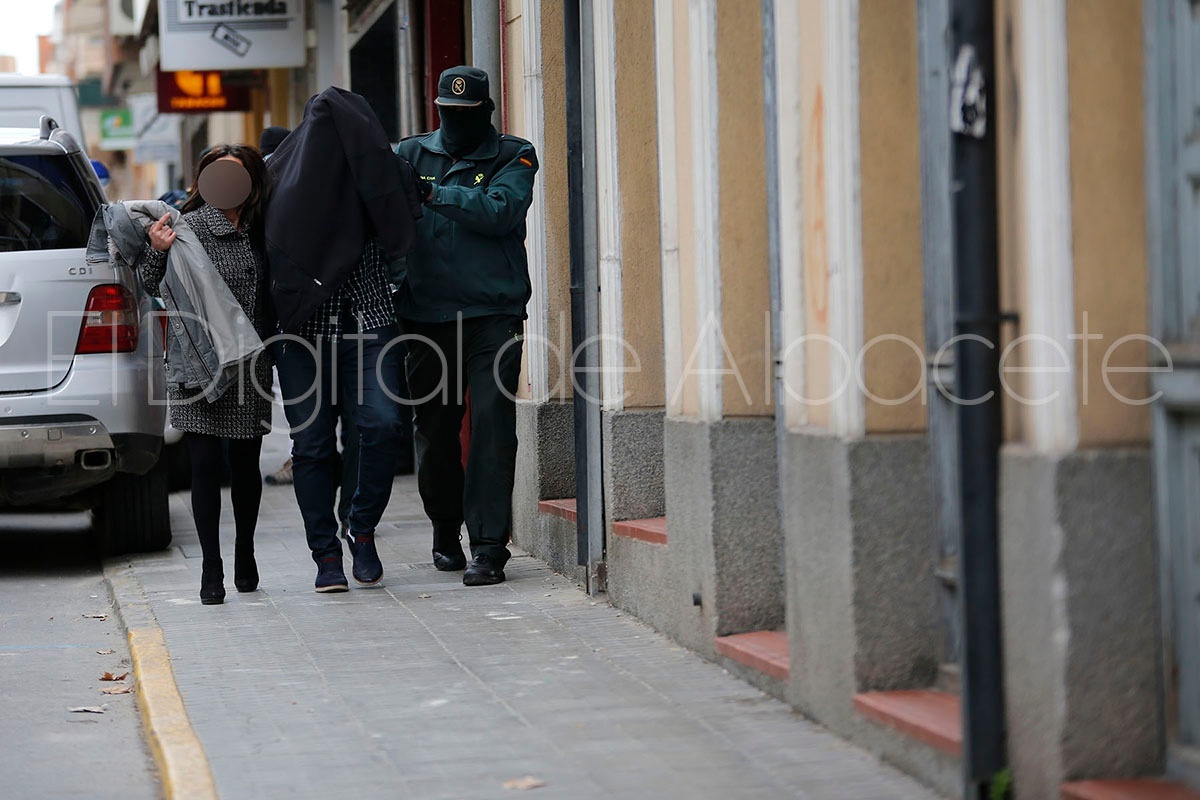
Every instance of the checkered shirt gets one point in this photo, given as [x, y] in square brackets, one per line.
[365, 296]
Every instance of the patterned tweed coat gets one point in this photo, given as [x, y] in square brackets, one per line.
[244, 411]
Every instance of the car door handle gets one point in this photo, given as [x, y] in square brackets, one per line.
[9, 298]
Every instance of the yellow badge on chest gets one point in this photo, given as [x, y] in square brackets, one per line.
[479, 179]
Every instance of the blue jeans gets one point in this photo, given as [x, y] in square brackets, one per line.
[362, 370]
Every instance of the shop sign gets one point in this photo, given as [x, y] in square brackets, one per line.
[231, 34]
[116, 129]
[199, 92]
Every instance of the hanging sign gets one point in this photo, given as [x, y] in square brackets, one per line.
[231, 34]
[158, 135]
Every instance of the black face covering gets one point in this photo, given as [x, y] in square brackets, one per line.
[464, 129]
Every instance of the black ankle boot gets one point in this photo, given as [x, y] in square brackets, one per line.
[212, 583]
[447, 550]
[245, 569]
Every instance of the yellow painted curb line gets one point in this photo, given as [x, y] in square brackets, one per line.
[181, 761]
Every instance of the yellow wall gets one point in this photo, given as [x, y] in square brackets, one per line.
[1107, 196]
[514, 70]
[514, 118]
[1104, 70]
[553, 174]
[745, 274]
[891, 213]
[637, 137]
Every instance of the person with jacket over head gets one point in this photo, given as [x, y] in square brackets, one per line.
[342, 207]
[460, 299]
[225, 212]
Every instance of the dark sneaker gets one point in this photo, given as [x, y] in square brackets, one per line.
[368, 569]
[282, 476]
[483, 572]
[330, 575]
[447, 551]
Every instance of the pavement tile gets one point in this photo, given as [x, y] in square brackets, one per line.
[383, 692]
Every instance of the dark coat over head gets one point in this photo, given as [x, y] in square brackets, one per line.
[336, 184]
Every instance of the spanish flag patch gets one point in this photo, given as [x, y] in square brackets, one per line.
[526, 162]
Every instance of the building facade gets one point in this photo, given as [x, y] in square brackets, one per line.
[765, 275]
[778, 440]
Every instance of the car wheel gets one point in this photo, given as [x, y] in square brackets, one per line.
[133, 515]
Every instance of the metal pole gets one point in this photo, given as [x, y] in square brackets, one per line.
[977, 315]
[771, 138]
[571, 46]
[410, 70]
[581, 182]
[589, 366]
[485, 45]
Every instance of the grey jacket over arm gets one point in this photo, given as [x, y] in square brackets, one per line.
[208, 334]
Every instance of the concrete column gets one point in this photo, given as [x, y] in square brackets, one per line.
[705, 353]
[1081, 636]
[1042, 399]
[668, 183]
[545, 455]
[608, 207]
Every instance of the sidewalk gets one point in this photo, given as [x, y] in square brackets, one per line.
[423, 688]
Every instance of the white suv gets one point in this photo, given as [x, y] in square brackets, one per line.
[81, 382]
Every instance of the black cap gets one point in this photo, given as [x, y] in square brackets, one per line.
[271, 138]
[463, 86]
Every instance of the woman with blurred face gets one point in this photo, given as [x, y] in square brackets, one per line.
[225, 209]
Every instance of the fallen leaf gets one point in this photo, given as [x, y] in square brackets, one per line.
[116, 690]
[87, 710]
[105, 652]
[528, 782]
[108, 676]
[96, 616]
[424, 596]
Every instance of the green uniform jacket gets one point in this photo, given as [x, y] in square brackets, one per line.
[470, 254]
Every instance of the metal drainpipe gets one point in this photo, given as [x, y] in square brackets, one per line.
[485, 45]
[977, 314]
[771, 114]
[585, 301]
[410, 70]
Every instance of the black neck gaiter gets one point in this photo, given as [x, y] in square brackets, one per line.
[464, 129]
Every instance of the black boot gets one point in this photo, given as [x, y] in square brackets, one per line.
[245, 569]
[447, 550]
[212, 583]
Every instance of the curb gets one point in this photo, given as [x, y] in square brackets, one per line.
[182, 765]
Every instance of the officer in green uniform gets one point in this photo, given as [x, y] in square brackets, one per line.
[460, 299]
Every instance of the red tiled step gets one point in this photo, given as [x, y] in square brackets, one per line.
[765, 651]
[934, 718]
[653, 531]
[1127, 790]
[559, 508]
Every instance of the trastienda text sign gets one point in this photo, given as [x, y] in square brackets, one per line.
[230, 34]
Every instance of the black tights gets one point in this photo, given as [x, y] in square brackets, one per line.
[245, 490]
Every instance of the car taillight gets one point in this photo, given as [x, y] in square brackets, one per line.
[162, 321]
[110, 321]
